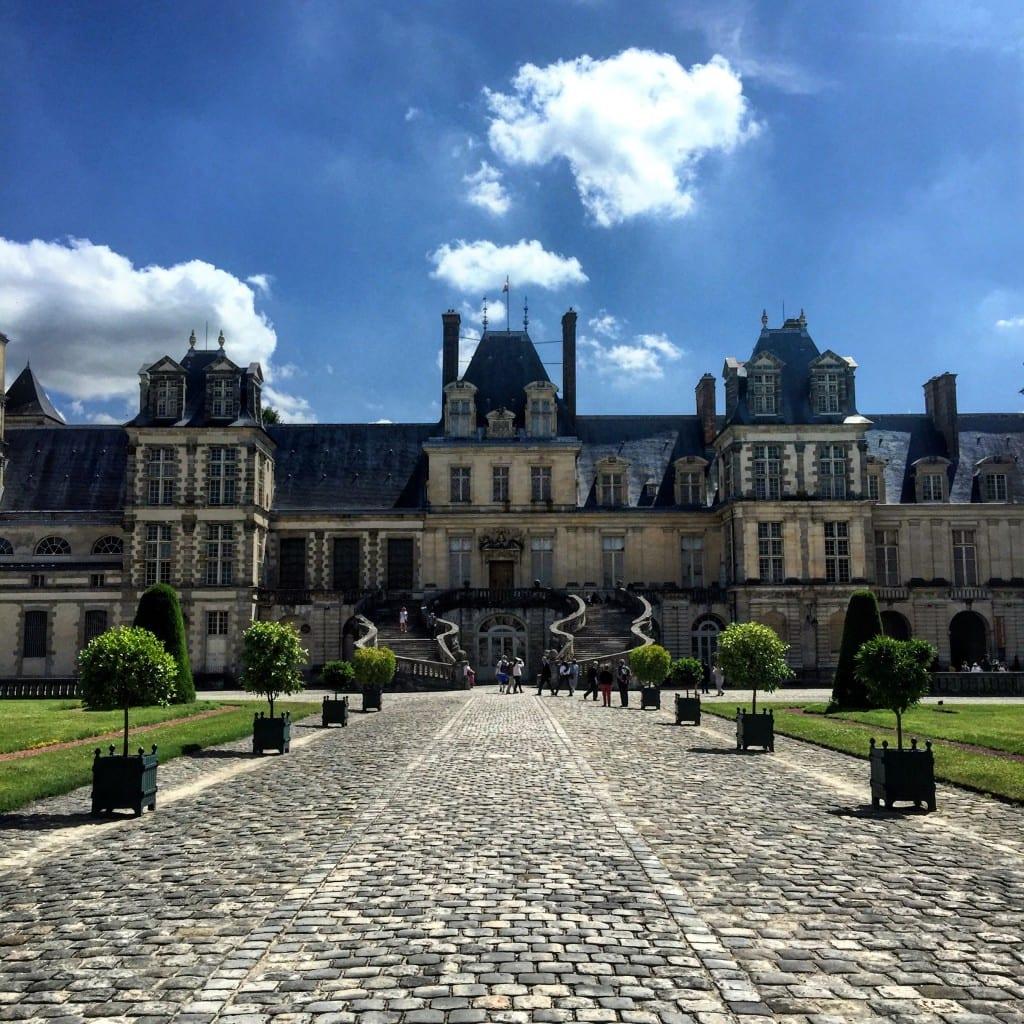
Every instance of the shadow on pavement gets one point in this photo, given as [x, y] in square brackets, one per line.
[728, 750]
[867, 812]
[53, 822]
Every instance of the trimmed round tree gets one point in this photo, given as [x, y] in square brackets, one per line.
[159, 611]
[272, 657]
[374, 666]
[753, 657]
[863, 622]
[126, 667]
[687, 672]
[337, 675]
[895, 674]
[650, 664]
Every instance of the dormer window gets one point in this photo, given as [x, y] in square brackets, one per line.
[690, 487]
[827, 393]
[460, 409]
[610, 488]
[831, 383]
[931, 480]
[541, 418]
[994, 487]
[931, 486]
[875, 480]
[995, 478]
[167, 395]
[221, 397]
[762, 390]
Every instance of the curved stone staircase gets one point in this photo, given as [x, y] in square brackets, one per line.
[606, 634]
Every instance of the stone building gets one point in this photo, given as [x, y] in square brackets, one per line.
[773, 509]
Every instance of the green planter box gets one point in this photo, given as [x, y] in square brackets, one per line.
[755, 730]
[271, 733]
[906, 775]
[371, 698]
[334, 711]
[650, 697]
[687, 709]
[119, 781]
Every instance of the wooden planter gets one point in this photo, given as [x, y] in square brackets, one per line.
[334, 711]
[119, 781]
[271, 733]
[650, 697]
[687, 709]
[371, 698]
[755, 730]
[902, 775]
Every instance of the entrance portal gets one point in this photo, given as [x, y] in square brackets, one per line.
[500, 636]
[705, 641]
[968, 639]
[502, 574]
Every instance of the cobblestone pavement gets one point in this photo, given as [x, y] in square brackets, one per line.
[476, 857]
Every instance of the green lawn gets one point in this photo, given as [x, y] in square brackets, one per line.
[998, 727]
[25, 779]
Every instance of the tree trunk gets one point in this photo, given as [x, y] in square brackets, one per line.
[126, 728]
[753, 708]
[899, 731]
[270, 697]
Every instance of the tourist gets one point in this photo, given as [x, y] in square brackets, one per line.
[517, 675]
[574, 676]
[403, 620]
[502, 674]
[544, 676]
[718, 678]
[975, 667]
[470, 676]
[565, 676]
[623, 674]
[705, 682]
[604, 682]
[591, 682]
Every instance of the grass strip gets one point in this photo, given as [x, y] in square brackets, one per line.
[983, 773]
[60, 771]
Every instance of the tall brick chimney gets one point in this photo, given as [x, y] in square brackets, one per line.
[569, 361]
[940, 404]
[450, 347]
[706, 413]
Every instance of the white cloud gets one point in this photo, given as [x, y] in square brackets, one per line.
[633, 127]
[642, 358]
[383, 421]
[605, 324]
[487, 190]
[412, 113]
[260, 281]
[89, 318]
[285, 371]
[330, 369]
[1011, 323]
[481, 266]
[495, 313]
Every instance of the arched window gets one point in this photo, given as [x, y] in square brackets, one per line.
[705, 639]
[500, 636]
[53, 546]
[108, 546]
[6, 547]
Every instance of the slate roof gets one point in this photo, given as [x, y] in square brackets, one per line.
[65, 469]
[26, 397]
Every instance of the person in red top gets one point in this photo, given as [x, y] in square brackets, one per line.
[604, 684]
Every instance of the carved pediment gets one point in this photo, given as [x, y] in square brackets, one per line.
[166, 365]
[502, 544]
[222, 365]
[764, 361]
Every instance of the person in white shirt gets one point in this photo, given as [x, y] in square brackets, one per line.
[517, 676]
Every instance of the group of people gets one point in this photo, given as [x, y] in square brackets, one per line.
[982, 666]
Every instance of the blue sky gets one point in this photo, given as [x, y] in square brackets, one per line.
[322, 180]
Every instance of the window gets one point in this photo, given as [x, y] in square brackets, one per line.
[53, 546]
[33, 644]
[460, 484]
[994, 486]
[216, 623]
[6, 547]
[347, 569]
[222, 397]
[731, 472]
[542, 417]
[37, 580]
[222, 464]
[220, 554]
[610, 489]
[767, 471]
[762, 394]
[691, 488]
[460, 556]
[161, 470]
[769, 552]
[931, 487]
[540, 483]
[613, 552]
[692, 552]
[887, 558]
[261, 483]
[542, 560]
[965, 559]
[97, 579]
[108, 546]
[499, 483]
[832, 471]
[94, 625]
[167, 402]
[291, 569]
[460, 417]
[827, 397]
[874, 487]
[837, 552]
[158, 553]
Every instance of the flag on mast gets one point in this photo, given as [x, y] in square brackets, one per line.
[505, 291]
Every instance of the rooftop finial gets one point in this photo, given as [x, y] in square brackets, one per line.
[526, 314]
[764, 318]
[220, 339]
[485, 313]
[192, 340]
[803, 317]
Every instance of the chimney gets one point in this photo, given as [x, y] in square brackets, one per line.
[569, 361]
[940, 404]
[450, 350]
[705, 391]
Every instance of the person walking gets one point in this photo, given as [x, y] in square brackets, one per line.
[623, 676]
[591, 682]
[502, 674]
[705, 682]
[574, 676]
[470, 676]
[403, 620]
[718, 678]
[544, 676]
[517, 675]
[604, 683]
[565, 676]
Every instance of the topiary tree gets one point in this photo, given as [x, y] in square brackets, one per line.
[863, 623]
[126, 667]
[337, 675]
[687, 672]
[650, 664]
[374, 666]
[272, 655]
[752, 655]
[895, 674]
[159, 611]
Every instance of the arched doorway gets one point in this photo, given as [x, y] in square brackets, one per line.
[704, 637]
[968, 639]
[895, 625]
[499, 636]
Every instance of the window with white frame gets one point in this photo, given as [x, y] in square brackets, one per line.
[542, 560]
[158, 553]
[613, 560]
[221, 396]
[826, 393]
[460, 417]
[691, 551]
[610, 488]
[691, 487]
[460, 555]
[542, 417]
[220, 554]
[222, 472]
[965, 559]
[161, 474]
[837, 552]
[762, 391]
[167, 398]
[540, 483]
[887, 558]
[216, 623]
[460, 477]
[499, 483]
[874, 486]
[932, 486]
[731, 473]
[994, 486]
[767, 467]
[770, 561]
[832, 471]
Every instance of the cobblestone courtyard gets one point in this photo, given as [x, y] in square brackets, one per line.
[473, 857]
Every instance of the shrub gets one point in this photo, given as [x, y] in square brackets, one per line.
[272, 655]
[159, 611]
[374, 666]
[650, 664]
[752, 655]
[895, 674]
[688, 672]
[336, 675]
[863, 623]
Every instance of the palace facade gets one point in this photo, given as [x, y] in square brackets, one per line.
[773, 508]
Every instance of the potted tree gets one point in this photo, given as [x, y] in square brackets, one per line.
[863, 622]
[272, 655]
[895, 673]
[159, 611]
[650, 665]
[752, 656]
[689, 674]
[125, 667]
[375, 668]
[338, 675]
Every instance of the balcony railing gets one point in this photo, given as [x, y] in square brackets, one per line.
[969, 594]
[892, 594]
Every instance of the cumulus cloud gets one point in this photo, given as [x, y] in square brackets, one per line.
[88, 318]
[482, 265]
[412, 113]
[641, 357]
[605, 324]
[260, 281]
[487, 190]
[1010, 323]
[633, 127]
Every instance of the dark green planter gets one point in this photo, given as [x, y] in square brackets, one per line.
[902, 775]
[371, 698]
[271, 733]
[119, 781]
[650, 697]
[334, 712]
[687, 709]
[755, 730]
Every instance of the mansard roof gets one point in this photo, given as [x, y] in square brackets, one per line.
[26, 397]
